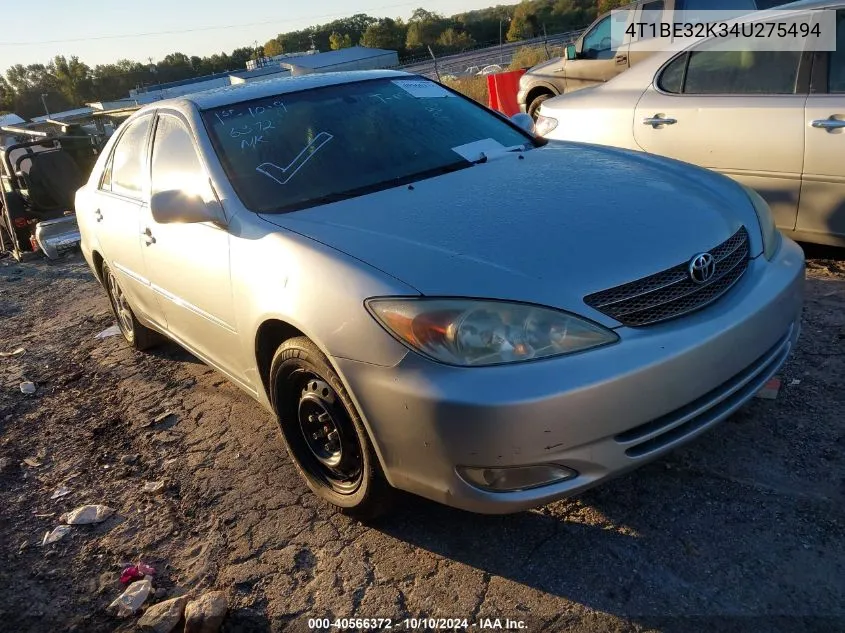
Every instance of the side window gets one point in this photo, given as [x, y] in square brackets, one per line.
[672, 77]
[175, 161]
[651, 14]
[129, 158]
[597, 43]
[742, 72]
[105, 181]
[836, 66]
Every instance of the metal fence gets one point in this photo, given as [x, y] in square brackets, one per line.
[472, 61]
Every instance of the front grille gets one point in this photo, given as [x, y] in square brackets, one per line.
[672, 293]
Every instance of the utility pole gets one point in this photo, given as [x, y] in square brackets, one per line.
[44, 103]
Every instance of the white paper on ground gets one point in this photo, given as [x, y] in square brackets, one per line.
[422, 89]
[473, 151]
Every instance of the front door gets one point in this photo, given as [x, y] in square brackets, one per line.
[603, 54]
[739, 112]
[822, 209]
[188, 264]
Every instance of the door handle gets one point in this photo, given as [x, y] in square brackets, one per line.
[148, 234]
[657, 121]
[829, 124]
[98, 215]
[621, 59]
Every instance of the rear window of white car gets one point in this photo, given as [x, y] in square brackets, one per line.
[302, 149]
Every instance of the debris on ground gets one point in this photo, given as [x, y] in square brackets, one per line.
[133, 598]
[56, 535]
[794, 382]
[130, 459]
[114, 330]
[88, 514]
[770, 390]
[163, 616]
[136, 572]
[206, 613]
[154, 487]
[27, 387]
[61, 491]
[166, 417]
[32, 462]
[16, 352]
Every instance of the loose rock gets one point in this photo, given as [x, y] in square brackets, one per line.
[154, 487]
[27, 387]
[129, 459]
[206, 613]
[164, 616]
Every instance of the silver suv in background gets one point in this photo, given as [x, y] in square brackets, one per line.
[595, 58]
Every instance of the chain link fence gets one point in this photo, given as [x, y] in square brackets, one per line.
[488, 58]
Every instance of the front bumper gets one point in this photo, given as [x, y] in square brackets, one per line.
[600, 413]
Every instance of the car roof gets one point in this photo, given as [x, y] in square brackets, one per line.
[227, 95]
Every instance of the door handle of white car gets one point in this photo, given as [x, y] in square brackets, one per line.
[148, 234]
[98, 215]
[656, 121]
[829, 124]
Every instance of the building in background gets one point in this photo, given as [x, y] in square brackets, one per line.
[355, 58]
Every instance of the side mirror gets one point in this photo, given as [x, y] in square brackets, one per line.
[524, 121]
[571, 52]
[177, 206]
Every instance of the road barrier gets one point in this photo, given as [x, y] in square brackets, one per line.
[502, 88]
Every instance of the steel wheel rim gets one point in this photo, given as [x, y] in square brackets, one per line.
[330, 442]
[121, 307]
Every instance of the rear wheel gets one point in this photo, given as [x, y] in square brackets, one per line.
[323, 433]
[534, 106]
[137, 335]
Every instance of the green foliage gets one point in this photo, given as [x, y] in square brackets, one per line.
[386, 33]
[453, 40]
[338, 41]
[273, 48]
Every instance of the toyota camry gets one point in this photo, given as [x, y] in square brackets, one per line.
[370, 256]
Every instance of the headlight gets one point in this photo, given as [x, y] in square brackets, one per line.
[771, 235]
[544, 125]
[475, 332]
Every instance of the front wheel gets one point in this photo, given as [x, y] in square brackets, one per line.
[323, 433]
[137, 335]
[534, 106]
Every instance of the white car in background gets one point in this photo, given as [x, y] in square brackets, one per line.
[773, 120]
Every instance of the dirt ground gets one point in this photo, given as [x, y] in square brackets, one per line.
[743, 530]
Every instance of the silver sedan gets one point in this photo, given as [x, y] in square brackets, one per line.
[369, 256]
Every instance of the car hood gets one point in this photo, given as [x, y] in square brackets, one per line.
[546, 226]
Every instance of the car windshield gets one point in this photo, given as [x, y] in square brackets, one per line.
[302, 149]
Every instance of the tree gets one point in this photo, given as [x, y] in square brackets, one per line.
[73, 79]
[424, 28]
[273, 48]
[7, 96]
[386, 33]
[524, 23]
[608, 5]
[239, 58]
[338, 41]
[455, 40]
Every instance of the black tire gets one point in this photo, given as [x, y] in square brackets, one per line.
[138, 336]
[534, 106]
[323, 432]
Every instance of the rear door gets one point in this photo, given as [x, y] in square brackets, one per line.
[740, 112]
[822, 207]
[119, 202]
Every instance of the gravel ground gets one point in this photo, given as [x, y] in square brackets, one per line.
[742, 530]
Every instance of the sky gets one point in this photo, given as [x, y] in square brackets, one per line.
[102, 32]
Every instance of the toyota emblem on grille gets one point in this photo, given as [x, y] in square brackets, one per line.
[702, 267]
